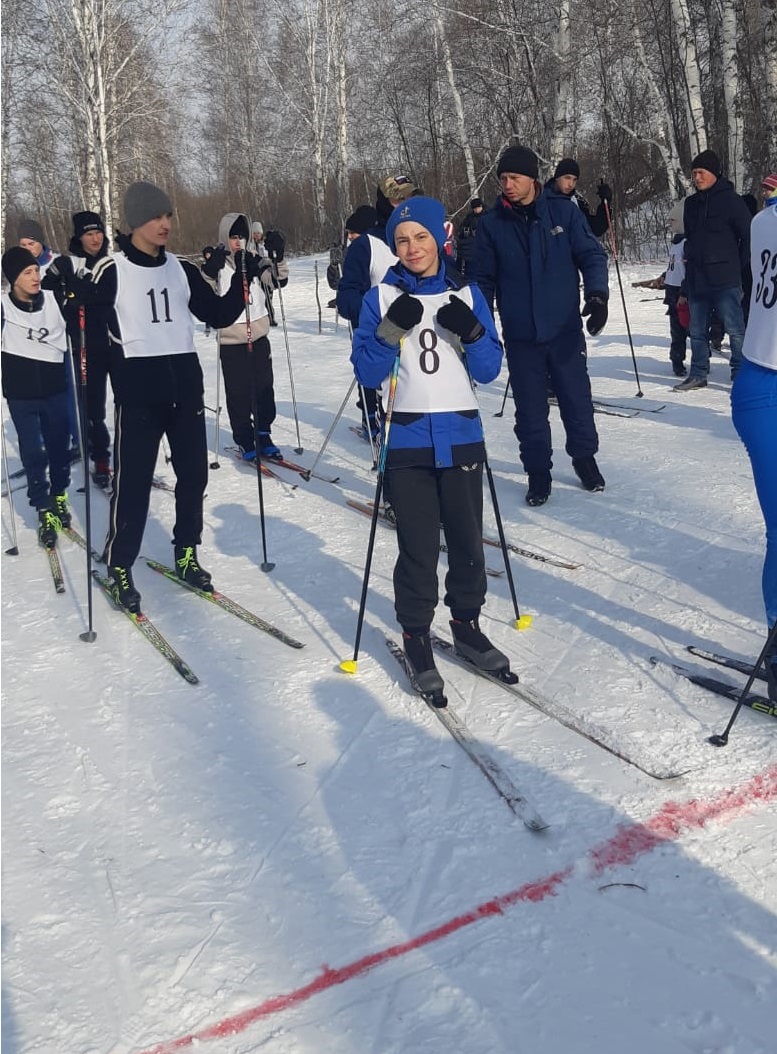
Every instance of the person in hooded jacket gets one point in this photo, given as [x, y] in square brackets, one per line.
[88, 246]
[248, 373]
[532, 250]
[717, 264]
[157, 380]
[425, 317]
[676, 306]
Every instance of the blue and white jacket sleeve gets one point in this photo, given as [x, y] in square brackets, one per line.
[355, 280]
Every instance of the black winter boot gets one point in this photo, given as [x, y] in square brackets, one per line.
[471, 643]
[187, 568]
[588, 473]
[539, 488]
[418, 649]
[123, 588]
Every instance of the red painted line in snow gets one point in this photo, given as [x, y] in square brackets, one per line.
[628, 843]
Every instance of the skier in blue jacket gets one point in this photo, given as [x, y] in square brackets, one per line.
[444, 336]
[531, 252]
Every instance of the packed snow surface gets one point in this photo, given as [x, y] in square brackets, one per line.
[288, 859]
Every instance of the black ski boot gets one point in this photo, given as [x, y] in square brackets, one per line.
[102, 473]
[418, 650]
[48, 526]
[539, 488]
[471, 643]
[123, 588]
[187, 568]
[61, 509]
[588, 473]
[771, 674]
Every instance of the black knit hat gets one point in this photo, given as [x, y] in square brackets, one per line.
[30, 229]
[518, 159]
[17, 260]
[85, 222]
[239, 229]
[362, 219]
[476, 203]
[567, 166]
[709, 161]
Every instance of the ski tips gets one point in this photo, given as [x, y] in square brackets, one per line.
[523, 622]
[349, 665]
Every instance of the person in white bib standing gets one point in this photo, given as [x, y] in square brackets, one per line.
[35, 384]
[436, 450]
[754, 393]
[248, 373]
[157, 380]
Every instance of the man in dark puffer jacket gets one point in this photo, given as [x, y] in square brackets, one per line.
[717, 264]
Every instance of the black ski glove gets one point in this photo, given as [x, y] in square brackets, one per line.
[596, 307]
[604, 191]
[217, 260]
[404, 313]
[248, 262]
[275, 244]
[459, 318]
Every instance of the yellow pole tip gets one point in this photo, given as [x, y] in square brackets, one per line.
[523, 622]
[348, 666]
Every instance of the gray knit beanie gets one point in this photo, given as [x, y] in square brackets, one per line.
[144, 202]
[29, 228]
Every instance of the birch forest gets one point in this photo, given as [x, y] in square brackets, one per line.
[293, 110]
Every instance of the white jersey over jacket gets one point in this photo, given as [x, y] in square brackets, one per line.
[35, 334]
[760, 343]
[152, 307]
[675, 268]
[432, 377]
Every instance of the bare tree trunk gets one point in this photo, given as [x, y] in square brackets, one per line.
[731, 93]
[686, 43]
[560, 134]
[340, 30]
[769, 14]
[459, 107]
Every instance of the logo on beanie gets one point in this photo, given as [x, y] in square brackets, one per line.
[406, 213]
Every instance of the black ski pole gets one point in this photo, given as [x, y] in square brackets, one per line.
[521, 621]
[298, 448]
[216, 463]
[501, 412]
[350, 665]
[309, 471]
[266, 565]
[640, 393]
[721, 739]
[14, 550]
[89, 635]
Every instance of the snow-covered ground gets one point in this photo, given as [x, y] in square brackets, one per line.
[288, 859]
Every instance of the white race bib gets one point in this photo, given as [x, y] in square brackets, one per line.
[152, 306]
[35, 334]
[432, 378]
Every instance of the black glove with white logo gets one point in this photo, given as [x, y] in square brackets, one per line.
[596, 307]
[459, 318]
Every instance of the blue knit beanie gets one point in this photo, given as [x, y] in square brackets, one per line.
[429, 212]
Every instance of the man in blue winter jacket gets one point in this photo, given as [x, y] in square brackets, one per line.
[717, 264]
[531, 251]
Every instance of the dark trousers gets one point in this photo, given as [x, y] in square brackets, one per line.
[138, 433]
[562, 363]
[678, 334]
[424, 498]
[248, 375]
[98, 438]
[47, 420]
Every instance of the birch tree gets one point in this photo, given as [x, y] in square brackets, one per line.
[686, 44]
[730, 68]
